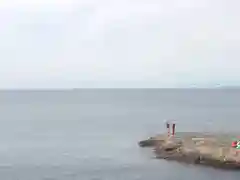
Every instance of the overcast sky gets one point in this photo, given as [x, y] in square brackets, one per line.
[124, 43]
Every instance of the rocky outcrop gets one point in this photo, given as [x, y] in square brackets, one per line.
[208, 151]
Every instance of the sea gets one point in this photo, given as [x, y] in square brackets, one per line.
[93, 134]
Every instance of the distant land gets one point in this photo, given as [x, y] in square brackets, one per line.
[229, 87]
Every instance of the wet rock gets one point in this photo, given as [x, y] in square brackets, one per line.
[147, 143]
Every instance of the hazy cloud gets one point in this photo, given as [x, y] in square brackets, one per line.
[53, 43]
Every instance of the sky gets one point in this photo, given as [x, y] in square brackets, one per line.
[124, 43]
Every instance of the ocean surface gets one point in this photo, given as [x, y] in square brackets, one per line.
[92, 134]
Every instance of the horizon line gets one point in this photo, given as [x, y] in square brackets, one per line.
[82, 88]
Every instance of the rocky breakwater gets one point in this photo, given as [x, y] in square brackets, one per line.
[196, 148]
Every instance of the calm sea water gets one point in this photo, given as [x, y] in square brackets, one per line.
[93, 134]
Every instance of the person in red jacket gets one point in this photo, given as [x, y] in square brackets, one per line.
[234, 144]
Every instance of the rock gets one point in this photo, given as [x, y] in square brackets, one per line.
[147, 143]
[152, 141]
